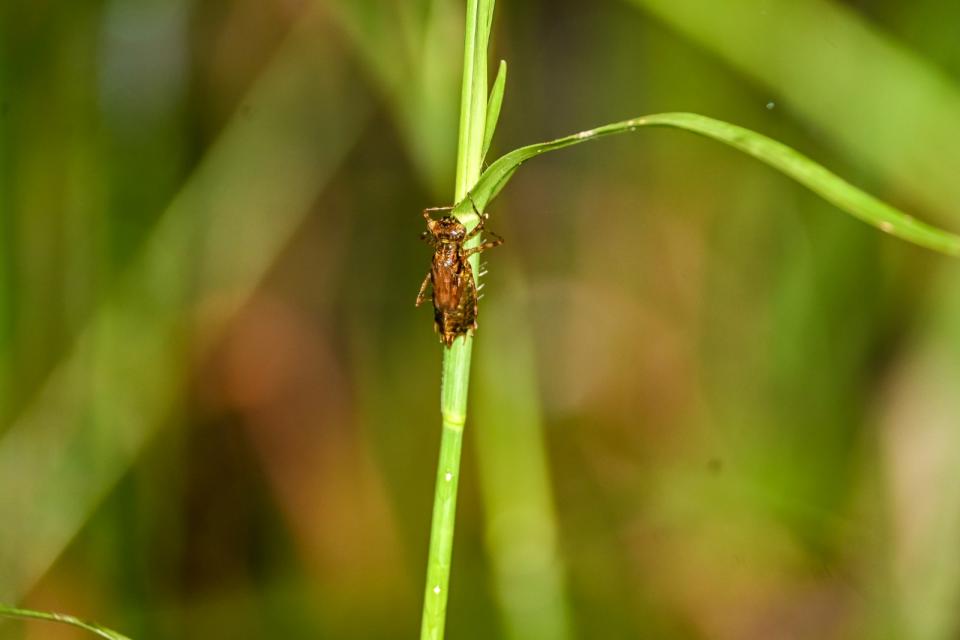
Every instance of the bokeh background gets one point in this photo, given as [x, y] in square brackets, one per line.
[705, 404]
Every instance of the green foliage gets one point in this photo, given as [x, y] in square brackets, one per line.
[27, 614]
[806, 360]
[493, 108]
[831, 187]
[474, 142]
[885, 107]
[454, 383]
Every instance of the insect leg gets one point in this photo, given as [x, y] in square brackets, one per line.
[477, 229]
[423, 290]
[482, 217]
[489, 244]
[474, 205]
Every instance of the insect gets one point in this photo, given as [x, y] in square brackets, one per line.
[451, 276]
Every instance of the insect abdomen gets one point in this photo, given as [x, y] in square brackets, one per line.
[455, 308]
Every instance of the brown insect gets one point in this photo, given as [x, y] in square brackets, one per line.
[454, 288]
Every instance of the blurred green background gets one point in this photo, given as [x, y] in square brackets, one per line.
[705, 404]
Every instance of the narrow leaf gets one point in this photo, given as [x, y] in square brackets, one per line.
[828, 185]
[493, 107]
[27, 614]
[490, 7]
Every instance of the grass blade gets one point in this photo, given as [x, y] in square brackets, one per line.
[815, 177]
[27, 614]
[493, 107]
[474, 68]
[414, 73]
[513, 466]
[241, 213]
[455, 377]
[910, 141]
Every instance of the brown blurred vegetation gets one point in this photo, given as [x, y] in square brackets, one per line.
[705, 404]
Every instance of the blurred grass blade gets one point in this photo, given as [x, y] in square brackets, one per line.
[27, 614]
[920, 410]
[889, 110]
[779, 156]
[217, 239]
[419, 79]
[493, 107]
[521, 536]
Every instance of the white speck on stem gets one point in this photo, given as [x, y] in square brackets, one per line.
[448, 477]
[771, 105]
[586, 134]
[436, 589]
[886, 227]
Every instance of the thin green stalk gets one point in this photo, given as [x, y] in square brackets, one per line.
[456, 360]
[482, 189]
[27, 614]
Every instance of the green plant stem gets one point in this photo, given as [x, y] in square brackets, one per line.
[27, 614]
[441, 535]
[456, 359]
